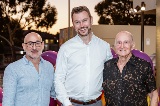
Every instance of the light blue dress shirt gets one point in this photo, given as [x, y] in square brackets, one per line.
[23, 85]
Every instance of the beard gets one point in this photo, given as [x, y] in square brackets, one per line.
[34, 54]
[86, 31]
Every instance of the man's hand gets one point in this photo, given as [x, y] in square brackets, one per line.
[154, 98]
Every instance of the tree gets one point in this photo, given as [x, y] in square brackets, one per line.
[16, 15]
[120, 12]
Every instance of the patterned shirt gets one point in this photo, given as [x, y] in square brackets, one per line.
[129, 88]
[23, 85]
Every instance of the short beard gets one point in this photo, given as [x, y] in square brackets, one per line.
[89, 31]
[33, 58]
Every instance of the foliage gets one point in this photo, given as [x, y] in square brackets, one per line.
[118, 12]
[17, 15]
[21, 14]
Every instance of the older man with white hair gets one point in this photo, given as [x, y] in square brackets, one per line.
[128, 79]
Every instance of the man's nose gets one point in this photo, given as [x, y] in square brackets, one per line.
[122, 45]
[81, 24]
[34, 45]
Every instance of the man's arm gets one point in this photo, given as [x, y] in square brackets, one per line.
[154, 98]
[53, 94]
[9, 87]
[151, 86]
[60, 76]
[109, 52]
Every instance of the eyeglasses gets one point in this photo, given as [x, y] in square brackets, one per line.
[31, 44]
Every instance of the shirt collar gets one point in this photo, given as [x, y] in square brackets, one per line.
[27, 61]
[92, 39]
[132, 60]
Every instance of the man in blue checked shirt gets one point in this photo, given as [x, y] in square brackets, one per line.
[29, 81]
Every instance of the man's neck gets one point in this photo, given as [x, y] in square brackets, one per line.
[124, 59]
[86, 39]
[33, 60]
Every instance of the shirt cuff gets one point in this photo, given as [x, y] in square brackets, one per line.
[67, 102]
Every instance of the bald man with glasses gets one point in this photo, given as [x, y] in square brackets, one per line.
[29, 81]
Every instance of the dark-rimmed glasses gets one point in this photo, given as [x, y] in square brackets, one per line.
[31, 44]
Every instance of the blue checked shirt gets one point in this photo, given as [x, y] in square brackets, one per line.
[24, 86]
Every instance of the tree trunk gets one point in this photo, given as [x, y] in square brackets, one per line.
[12, 43]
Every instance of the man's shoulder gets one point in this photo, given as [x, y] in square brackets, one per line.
[17, 62]
[140, 64]
[99, 40]
[16, 65]
[110, 61]
[47, 63]
[69, 42]
[141, 61]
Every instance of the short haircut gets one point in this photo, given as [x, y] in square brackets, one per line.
[79, 9]
[126, 32]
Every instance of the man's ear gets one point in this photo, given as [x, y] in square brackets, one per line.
[24, 46]
[133, 45]
[91, 20]
[42, 45]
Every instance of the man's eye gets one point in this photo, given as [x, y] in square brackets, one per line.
[126, 42]
[118, 42]
[30, 43]
[37, 42]
[77, 22]
[85, 20]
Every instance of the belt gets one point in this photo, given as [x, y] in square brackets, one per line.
[85, 103]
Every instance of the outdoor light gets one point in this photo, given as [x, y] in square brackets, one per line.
[143, 6]
[21, 52]
[137, 8]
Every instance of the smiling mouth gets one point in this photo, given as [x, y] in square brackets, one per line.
[34, 51]
[83, 29]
